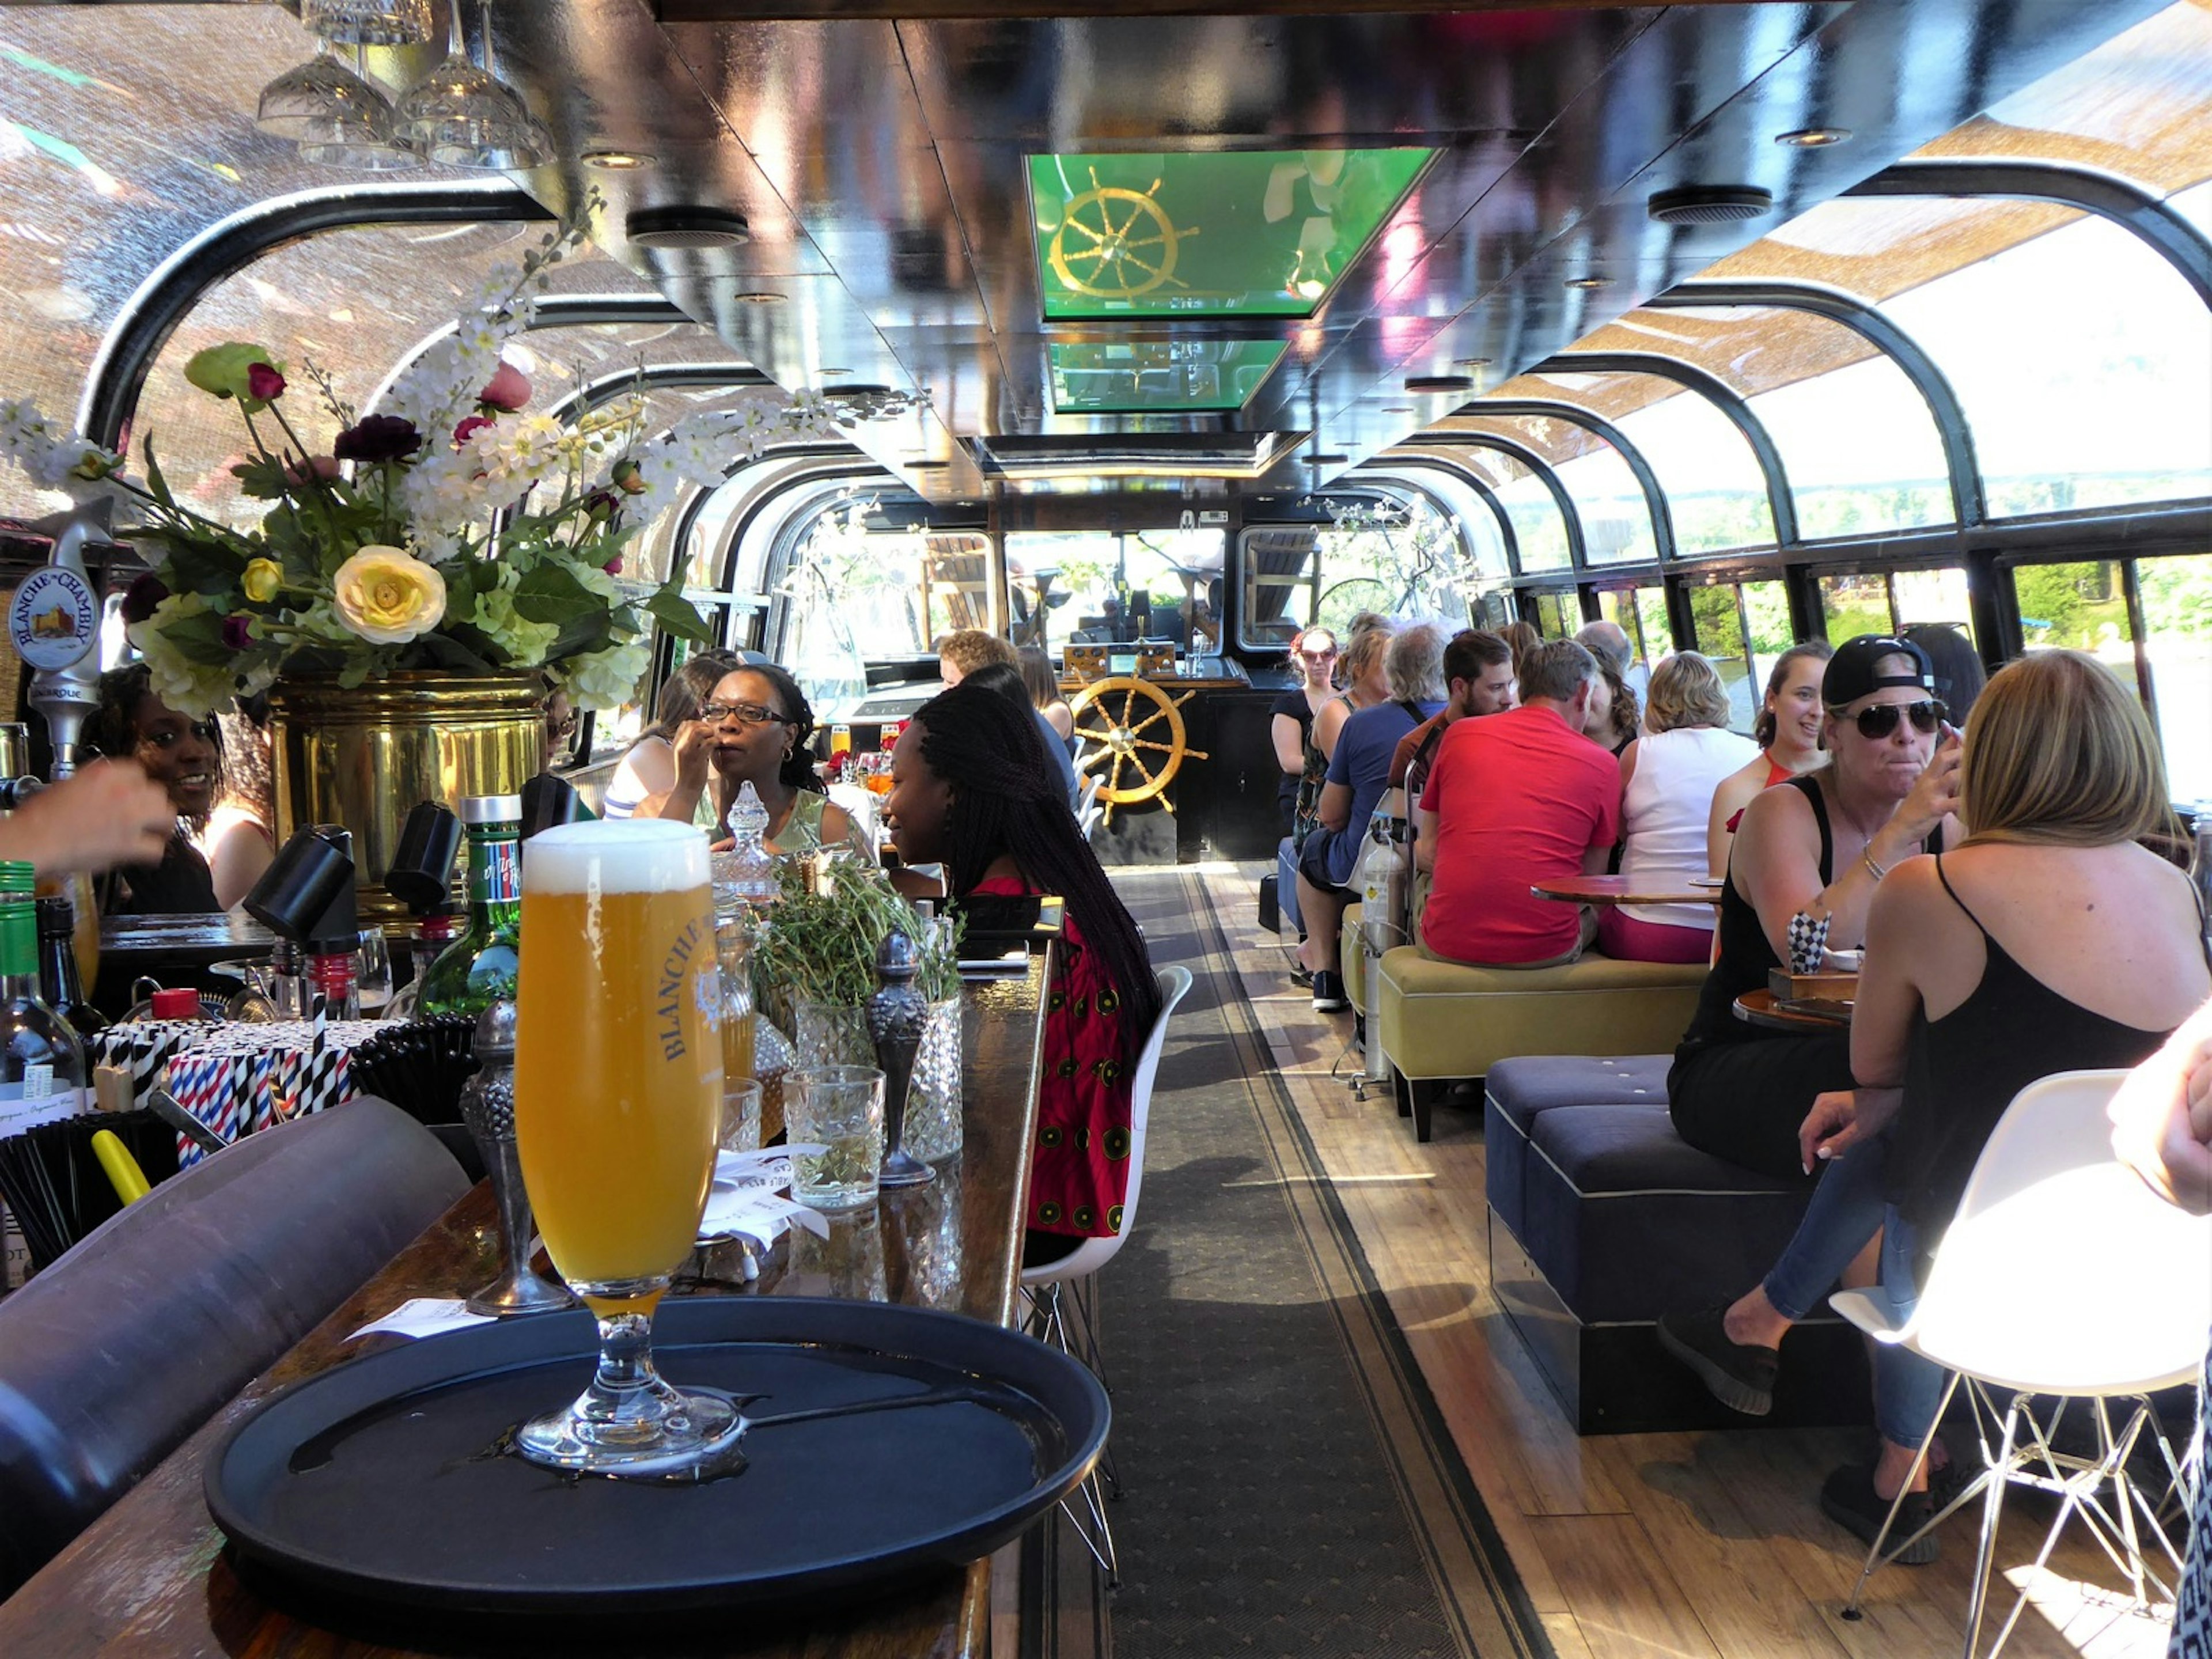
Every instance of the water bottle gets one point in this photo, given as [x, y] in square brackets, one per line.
[748, 870]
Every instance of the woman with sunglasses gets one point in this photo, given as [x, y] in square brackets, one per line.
[755, 729]
[2054, 938]
[1807, 857]
[185, 756]
[1313, 655]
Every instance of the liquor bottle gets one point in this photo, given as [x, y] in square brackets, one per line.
[747, 871]
[41, 1060]
[58, 982]
[478, 968]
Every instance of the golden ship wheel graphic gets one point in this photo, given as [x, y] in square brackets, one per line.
[1115, 243]
[1112, 717]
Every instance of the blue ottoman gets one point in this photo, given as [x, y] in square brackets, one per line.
[1602, 1218]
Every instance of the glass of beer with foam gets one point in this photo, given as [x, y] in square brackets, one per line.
[618, 1108]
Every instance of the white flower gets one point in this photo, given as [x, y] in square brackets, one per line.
[605, 679]
[190, 688]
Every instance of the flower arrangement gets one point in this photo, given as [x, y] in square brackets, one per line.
[451, 529]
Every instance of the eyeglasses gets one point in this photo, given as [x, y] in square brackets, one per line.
[745, 713]
[1880, 721]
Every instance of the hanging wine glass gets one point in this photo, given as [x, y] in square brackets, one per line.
[323, 102]
[368, 22]
[466, 117]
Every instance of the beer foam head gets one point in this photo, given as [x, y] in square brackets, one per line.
[627, 856]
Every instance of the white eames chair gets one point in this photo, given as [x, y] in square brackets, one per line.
[2062, 1275]
[1059, 1299]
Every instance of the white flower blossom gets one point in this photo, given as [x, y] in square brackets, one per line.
[605, 679]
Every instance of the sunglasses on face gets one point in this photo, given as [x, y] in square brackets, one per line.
[1879, 722]
[745, 713]
[1319, 656]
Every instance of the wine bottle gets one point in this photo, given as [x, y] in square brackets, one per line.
[479, 968]
[58, 980]
[41, 1060]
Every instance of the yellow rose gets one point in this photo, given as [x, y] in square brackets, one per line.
[262, 579]
[388, 595]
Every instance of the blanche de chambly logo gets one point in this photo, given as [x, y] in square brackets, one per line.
[53, 618]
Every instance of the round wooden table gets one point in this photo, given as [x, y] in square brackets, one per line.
[1760, 1008]
[1620, 890]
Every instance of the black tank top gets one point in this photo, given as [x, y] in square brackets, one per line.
[1745, 957]
[1963, 1070]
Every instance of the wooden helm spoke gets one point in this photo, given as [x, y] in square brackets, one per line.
[1120, 752]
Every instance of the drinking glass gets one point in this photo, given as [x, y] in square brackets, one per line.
[840, 1109]
[618, 1112]
[741, 1114]
[373, 973]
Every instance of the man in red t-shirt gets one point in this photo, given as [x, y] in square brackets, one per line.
[1518, 799]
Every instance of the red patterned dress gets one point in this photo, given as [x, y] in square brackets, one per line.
[1081, 1171]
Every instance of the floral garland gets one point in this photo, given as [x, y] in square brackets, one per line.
[451, 531]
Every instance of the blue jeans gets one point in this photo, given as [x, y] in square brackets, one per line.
[1847, 1208]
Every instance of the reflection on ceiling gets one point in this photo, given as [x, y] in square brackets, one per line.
[1299, 236]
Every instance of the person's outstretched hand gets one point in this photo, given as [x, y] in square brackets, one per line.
[108, 814]
[2162, 1117]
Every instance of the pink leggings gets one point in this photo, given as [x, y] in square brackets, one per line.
[1627, 939]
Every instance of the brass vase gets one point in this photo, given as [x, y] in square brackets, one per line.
[364, 757]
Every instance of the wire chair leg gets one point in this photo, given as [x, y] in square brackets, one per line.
[1992, 1511]
[1875, 1556]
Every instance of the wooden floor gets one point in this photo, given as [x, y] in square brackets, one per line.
[1691, 1544]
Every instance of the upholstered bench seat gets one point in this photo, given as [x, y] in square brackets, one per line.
[1602, 1218]
[1440, 1022]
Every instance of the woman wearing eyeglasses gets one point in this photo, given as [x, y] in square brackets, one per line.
[185, 756]
[1806, 859]
[2055, 938]
[755, 729]
[1313, 653]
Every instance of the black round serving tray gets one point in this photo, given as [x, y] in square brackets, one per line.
[382, 1482]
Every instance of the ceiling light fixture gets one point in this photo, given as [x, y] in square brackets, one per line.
[1814, 137]
[760, 296]
[686, 228]
[1472, 362]
[1433, 386]
[1397, 409]
[1589, 284]
[616, 161]
[1709, 205]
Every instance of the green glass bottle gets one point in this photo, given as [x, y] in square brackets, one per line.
[478, 968]
[41, 1059]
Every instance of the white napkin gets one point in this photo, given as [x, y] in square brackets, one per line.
[424, 1316]
[747, 1197]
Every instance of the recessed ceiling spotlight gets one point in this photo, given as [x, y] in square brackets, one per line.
[760, 296]
[1397, 409]
[1430, 385]
[616, 161]
[1814, 137]
[1472, 362]
[694, 228]
[1709, 205]
[833, 371]
[1589, 284]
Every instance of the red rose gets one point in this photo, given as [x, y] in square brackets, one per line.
[507, 390]
[377, 438]
[469, 427]
[613, 566]
[140, 597]
[237, 633]
[262, 382]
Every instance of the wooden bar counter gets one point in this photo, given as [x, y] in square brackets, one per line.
[150, 1580]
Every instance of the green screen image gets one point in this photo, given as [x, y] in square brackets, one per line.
[1173, 376]
[1246, 234]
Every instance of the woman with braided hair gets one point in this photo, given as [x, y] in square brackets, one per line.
[970, 790]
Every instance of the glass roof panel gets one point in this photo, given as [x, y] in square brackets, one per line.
[1715, 493]
[2134, 107]
[1861, 450]
[2195, 204]
[1235, 233]
[1616, 519]
[1878, 245]
[1140, 377]
[1753, 348]
[2081, 359]
[118, 143]
[302, 301]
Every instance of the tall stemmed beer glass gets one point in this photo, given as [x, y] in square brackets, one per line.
[618, 1103]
